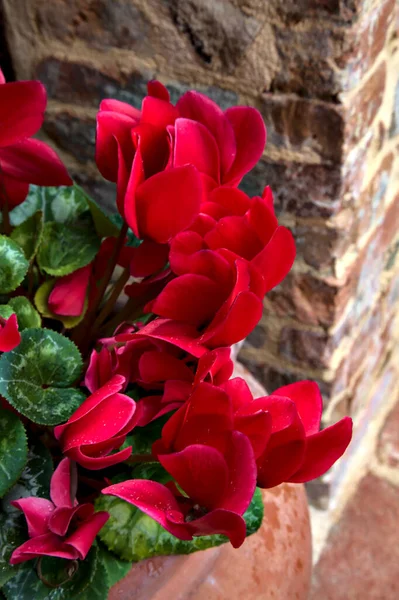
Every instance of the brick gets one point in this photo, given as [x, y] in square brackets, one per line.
[371, 202]
[363, 108]
[295, 10]
[83, 84]
[304, 125]
[361, 555]
[319, 246]
[310, 300]
[102, 191]
[104, 23]
[304, 347]
[74, 135]
[366, 40]
[388, 442]
[300, 189]
[308, 57]
[394, 128]
[219, 32]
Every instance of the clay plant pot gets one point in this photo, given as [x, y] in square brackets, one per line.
[274, 563]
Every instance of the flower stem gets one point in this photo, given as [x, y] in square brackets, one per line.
[109, 305]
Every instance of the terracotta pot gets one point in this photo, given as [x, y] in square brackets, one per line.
[274, 563]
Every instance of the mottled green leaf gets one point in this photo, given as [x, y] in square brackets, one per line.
[28, 235]
[89, 582]
[13, 449]
[66, 248]
[13, 265]
[116, 568]
[133, 536]
[12, 534]
[41, 301]
[63, 204]
[27, 315]
[34, 479]
[34, 377]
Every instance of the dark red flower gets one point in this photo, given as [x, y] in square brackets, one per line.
[9, 334]
[233, 254]
[24, 160]
[60, 527]
[99, 426]
[68, 296]
[218, 488]
[159, 362]
[297, 451]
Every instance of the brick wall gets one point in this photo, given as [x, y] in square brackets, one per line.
[324, 74]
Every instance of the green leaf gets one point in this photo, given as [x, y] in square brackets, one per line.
[103, 224]
[13, 265]
[88, 583]
[13, 450]
[66, 248]
[63, 204]
[28, 235]
[12, 534]
[133, 536]
[34, 480]
[41, 301]
[34, 377]
[116, 568]
[27, 315]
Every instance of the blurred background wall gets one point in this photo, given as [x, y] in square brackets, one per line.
[325, 75]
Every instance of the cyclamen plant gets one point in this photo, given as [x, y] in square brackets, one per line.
[123, 433]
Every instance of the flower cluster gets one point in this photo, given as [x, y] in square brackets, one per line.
[154, 300]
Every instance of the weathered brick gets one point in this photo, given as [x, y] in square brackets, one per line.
[84, 84]
[296, 10]
[218, 31]
[309, 59]
[319, 246]
[394, 128]
[361, 555]
[304, 125]
[366, 40]
[363, 107]
[304, 347]
[388, 442]
[104, 23]
[371, 202]
[299, 189]
[75, 135]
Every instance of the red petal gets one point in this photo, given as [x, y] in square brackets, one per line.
[201, 471]
[100, 369]
[154, 499]
[242, 474]
[101, 462]
[160, 366]
[323, 449]
[11, 190]
[308, 401]
[278, 464]
[113, 130]
[180, 335]
[9, 334]
[117, 106]
[62, 517]
[233, 201]
[276, 259]
[158, 90]
[22, 106]
[193, 299]
[148, 258]
[168, 202]
[69, 293]
[239, 392]
[112, 387]
[37, 512]
[157, 112]
[250, 134]
[223, 522]
[235, 234]
[195, 145]
[48, 544]
[34, 162]
[198, 107]
[257, 427]
[83, 538]
[262, 219]
[60, 486]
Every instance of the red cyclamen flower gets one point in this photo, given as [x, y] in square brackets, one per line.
[24, 160]
[60, 527]
[232, 255]
[9, 334]
[99, 426]
[297, 450]
[218, 487]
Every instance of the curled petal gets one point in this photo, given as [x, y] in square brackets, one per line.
[83, 538]
[33, 161]
[37, 513]
[221, 521]
[61, 492]
[48, 544]
[9, 334]
[308, 401]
